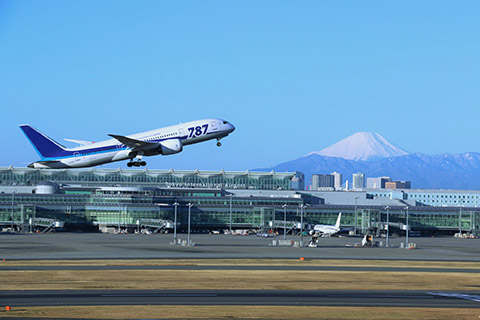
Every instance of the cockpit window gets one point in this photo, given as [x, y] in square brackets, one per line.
[225, 122]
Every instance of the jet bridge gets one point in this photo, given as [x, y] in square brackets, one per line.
[281, 225]
[154, 225]
[45, 225]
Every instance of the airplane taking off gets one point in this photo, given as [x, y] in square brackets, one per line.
[328, 230]
[164, 141]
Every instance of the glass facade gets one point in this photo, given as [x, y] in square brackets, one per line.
[122, 197]
[434, 198]
[211, 209]
[155, 178]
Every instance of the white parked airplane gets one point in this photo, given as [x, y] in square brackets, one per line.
[328, 230]
[164, 141]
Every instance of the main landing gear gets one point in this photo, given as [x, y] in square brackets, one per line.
[136, 163]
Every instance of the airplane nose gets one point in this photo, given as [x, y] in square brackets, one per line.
[231, 127]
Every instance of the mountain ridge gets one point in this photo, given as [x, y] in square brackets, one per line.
[443, 171]
[375, 156]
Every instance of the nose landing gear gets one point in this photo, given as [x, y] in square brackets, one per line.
[219, 144]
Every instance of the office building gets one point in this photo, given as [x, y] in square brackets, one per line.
[358, 181]
[323, 181]
[377, 183]
[338, 181]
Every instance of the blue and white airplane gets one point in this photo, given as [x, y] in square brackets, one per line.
[164, 141]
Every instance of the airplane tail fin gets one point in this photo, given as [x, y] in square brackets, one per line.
[337, 225]
[45, 146]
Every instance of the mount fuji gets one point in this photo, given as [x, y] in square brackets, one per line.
[375, 156]
[366, 146]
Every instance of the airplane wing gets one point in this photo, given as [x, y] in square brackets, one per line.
[80, 142]
[133, 143]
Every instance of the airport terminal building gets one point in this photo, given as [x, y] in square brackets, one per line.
[101, 198]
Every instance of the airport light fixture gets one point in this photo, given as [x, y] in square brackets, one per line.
[176, 204]
[406, 227]
[231, 196]
[125, 215]
[355, 224]
[471, 221]
[302, 206]
[388, 225]
[189, 205]
[13, 201]
[284, 221]
[119, 217]
[460, 216]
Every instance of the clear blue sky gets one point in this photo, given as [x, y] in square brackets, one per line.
[292, 76]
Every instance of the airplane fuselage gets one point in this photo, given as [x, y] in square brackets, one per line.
[326, 229]
[162, 141]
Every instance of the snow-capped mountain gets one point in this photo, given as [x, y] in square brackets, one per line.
[375, 156]
[365, 146]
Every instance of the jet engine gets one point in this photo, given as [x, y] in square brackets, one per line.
[171, 146]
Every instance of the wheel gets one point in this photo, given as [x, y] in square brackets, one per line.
[129, 164]
[136, 164]
[143, 163]
[219, 144]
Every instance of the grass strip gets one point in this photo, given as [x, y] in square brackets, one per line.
[259, 262]
[239, 312]
[233, 279]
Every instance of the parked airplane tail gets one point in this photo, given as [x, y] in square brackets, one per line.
[337, 225]
[45, 146]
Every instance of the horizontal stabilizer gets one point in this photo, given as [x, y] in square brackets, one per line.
[80, 142]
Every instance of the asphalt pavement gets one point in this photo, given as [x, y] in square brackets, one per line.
[340, 298]
[157, 246]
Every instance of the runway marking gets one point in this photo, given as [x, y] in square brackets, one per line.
[456, 295]
[383, 296]
[164, 295]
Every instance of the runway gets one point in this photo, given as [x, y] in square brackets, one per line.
[339, 298]
[237, 267]
[136, 265]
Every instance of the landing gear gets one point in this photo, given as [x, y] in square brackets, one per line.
[138, 157]
[219, 144]
[136, 164]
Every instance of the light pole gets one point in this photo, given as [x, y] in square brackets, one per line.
[460, 218]
[302, 206]
[125, 217]
[407, 228]
[231, 196]
[190, 205]
[471, 221]
[175, 224]
[284, 221]
[388, 224]
[355, 225]
[13, 199]
[119, 217]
